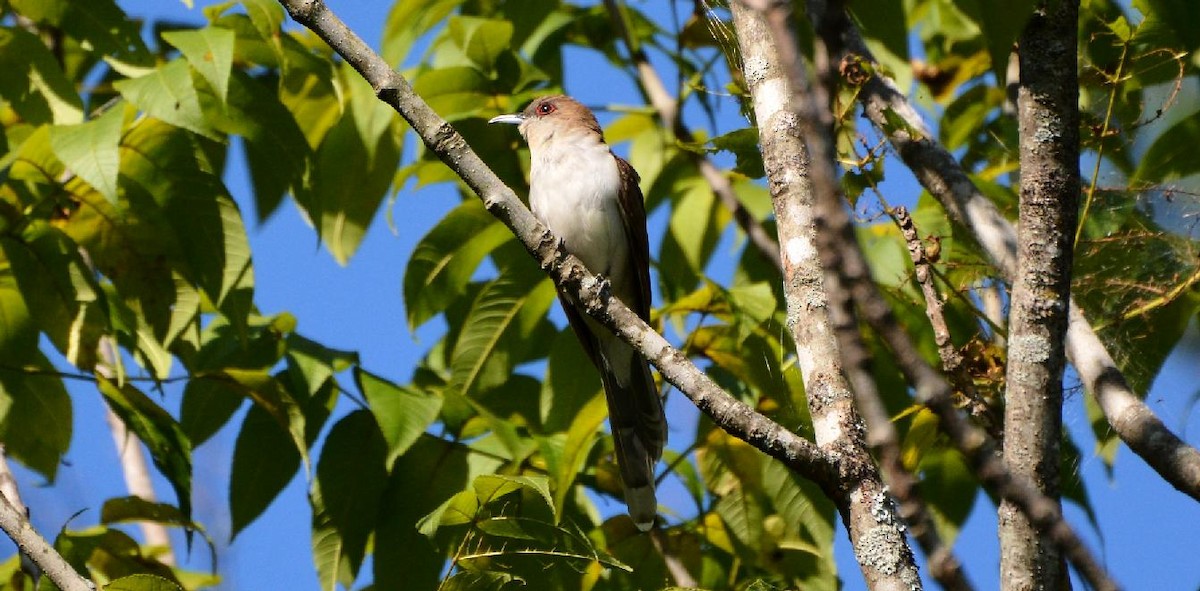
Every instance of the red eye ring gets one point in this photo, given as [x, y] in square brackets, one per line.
[545, 109]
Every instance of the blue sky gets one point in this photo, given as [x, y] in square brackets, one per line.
[1150, 532]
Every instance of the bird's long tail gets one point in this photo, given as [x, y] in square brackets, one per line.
[639, 427]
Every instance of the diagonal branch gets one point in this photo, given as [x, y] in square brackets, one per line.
[668, 110]
[14, 523]
[567, 272]
[849, 278]
[937, 170]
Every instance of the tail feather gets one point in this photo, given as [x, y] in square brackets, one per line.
[638, 427]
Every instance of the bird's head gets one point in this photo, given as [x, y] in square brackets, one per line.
[551, 117]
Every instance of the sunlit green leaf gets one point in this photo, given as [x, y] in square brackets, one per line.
[142, 582]
[209, 51]
[481, 40]
[169, 94]
[403, 414]
[407, 21]
[90, 149]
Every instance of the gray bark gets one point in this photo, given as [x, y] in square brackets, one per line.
[865, 505]
[937, 170]
[1048, 115]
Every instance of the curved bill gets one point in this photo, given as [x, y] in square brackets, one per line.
[514, 119]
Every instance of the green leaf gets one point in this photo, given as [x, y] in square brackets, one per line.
[209, 51]
[266, 15]
[90, 149]
[481, 40]
[169, 447]
[407, 21]
[33, 83]
[495, 330]
[571, 383]
[355, 165]
[211, 397]
[403, 414]
[459, 509]
[743, 144]
[208, 403]
[60, 291]
[315, 362]
[743, 516]
[697, 220]
[128, 509]
[1002, 24]
[566, 454]
[885, 29]
[169, 182]
[265, 460]
[445, 259]
[490, 487]
[35, 415]
[142, 582]
[270, 395]
[429, 473]
[949, 488]
[18, 333]
[472, 580]
[107, 553]
[169, 94]
[351, 478]
[101, 24]
[456, 92]
[277, 151]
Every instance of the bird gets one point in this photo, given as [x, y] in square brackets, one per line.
[590, 199]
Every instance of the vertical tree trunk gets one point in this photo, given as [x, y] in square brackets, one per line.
[866, 507]
[1048, 112]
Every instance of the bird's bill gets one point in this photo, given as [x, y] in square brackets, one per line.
[514, 119]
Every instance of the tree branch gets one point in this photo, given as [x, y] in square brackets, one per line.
[668, 111]
[847, 270]
[567, 272]
[938, 171]
[868, 512]
[32, 545]
[952, 360]
[1048, 115]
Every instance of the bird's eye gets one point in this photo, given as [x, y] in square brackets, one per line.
[545, 109]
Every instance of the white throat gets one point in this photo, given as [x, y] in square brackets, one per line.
[574, 189]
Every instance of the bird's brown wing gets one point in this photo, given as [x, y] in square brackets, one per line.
[633, 210]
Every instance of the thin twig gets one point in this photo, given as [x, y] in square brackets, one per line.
[952, 360]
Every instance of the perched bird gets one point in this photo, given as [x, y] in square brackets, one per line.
[589, 198]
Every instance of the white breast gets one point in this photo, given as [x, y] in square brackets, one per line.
[574, 187]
